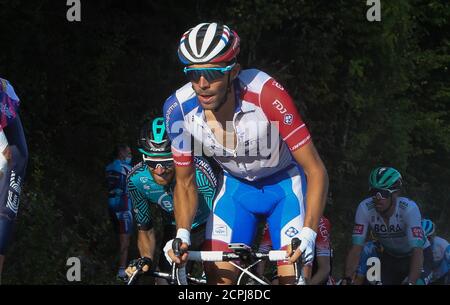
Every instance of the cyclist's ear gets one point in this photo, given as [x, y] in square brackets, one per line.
[235, 71]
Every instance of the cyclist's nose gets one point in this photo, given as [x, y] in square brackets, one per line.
[159, 170]
[203, 82]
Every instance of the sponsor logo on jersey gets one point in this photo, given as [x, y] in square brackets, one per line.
[169, 111]
[277, 84]
[220, 230]
[300, 143]
[386, 229]
[14, 192]
[167, 204]
[279, 106]
[323, 231]
[288, 118]
[179, 163]
[291, 232]
[143, 179]
[358, 229]
[417, 232]
[6, 111]
[403, 204]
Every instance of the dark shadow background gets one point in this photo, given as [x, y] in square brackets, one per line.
[371, 94]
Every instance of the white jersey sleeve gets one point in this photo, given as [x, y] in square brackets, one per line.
[416, 236]
[361, 222]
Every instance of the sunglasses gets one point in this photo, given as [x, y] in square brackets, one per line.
[381, 193]
[210, 74]
[154, 163]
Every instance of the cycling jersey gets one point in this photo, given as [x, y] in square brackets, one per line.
[9, 103]
[145, 191]
[403, 232]
[259, 153]
[119, 202]
[12, 181]
[441, 257]
[261, 178]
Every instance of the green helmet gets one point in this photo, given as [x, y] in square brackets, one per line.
[153, 140]
[387, 178]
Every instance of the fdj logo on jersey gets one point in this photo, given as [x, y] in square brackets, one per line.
[387, 229]
[279, 106]
[291, 232]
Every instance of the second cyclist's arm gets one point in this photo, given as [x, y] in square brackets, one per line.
[415, 265]
[352, 260]
[323, 270]
[146, 243]
[416, 241]
[185, 197]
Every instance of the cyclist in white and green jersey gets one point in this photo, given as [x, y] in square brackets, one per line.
[395, 222]
[151, 182]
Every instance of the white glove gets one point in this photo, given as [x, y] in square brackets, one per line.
[185, 237]
[166, 249]
[308, 241]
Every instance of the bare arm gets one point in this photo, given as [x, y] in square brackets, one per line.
[352, 260]
[415, 265]
[146, 243]
[185, 205]
[323, 270]
[185, 197]
[317, 187]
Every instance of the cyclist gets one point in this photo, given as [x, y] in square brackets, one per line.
[13, 163]
[119, 203]
[152, 181]
[395, 223]
[250, 125]
[319, 271]
[441, 254]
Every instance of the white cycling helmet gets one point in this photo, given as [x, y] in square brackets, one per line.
[208, 43]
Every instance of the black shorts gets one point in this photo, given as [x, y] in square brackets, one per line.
[395, 269]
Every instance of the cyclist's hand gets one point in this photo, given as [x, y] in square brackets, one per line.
[143, 263]
[306, 249]
[170, 255]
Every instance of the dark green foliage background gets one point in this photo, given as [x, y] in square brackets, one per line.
[371, 94]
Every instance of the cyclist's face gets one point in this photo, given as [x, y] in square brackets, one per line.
[161, 175]
[383, 205]
[210, 94]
